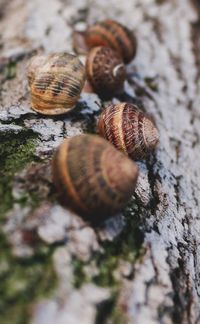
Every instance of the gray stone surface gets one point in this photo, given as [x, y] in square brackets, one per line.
[161, 286]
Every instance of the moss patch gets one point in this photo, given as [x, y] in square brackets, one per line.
[16, 150]
[79, 275]
[9, 71]
[22, 281]
[126, 246]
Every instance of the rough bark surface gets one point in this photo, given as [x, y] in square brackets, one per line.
[139, 267]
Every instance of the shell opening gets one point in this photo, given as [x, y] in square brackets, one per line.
[117, 68]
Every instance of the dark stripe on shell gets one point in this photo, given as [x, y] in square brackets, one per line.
[97, 32]
[122, 36]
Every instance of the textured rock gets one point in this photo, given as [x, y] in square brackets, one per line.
[162, 285]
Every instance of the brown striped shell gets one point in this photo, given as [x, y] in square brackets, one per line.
[112, 34]
[55, 82]
[92, 177]
[128, 129]
[105, 71]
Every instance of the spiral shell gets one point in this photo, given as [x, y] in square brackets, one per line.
[92, 177]
[112, 34]
[105, 71]
[128, 129]
[55, 81]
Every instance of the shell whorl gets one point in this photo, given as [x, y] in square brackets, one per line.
[92, 177]
[105, 71]
[55, 81]
[112, 34]
[128, 129]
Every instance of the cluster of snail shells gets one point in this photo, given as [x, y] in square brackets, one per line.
[112, 45]
[92, 177]
[55, 82]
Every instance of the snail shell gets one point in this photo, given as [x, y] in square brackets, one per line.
[105, 71]
[128, 129]
[112, 34]
[55, 81]
[92, 177]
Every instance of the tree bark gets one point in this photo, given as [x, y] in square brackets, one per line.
[161, 226]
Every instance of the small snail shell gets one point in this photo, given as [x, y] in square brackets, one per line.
[55, 81]
[105, 71]
[128, 129]
[92, 177]
[112, 34]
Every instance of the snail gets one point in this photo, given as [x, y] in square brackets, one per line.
[93, 178]
[105, 71]
[55, 82]
[128, 129]
[112, 34]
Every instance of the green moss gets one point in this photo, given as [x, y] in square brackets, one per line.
[127, 246]
[21, 281]
[79, 274]
[117, 317]
[9, 71]
[30, 199]
[16, 150]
